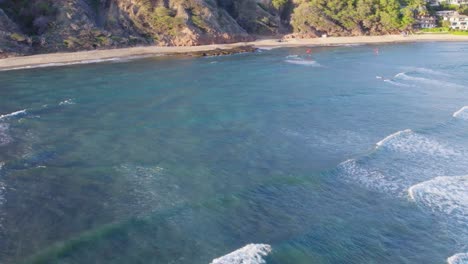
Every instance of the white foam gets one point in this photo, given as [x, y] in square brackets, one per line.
[462, 113]
[427, 71]
[5, 116]
[4, 136]
[396, 83]
[268, 47]
[460, 258]
[391, 136]
[372, 179]
[407, 141]
[67, 102]
[250, 254]
[58, 64]
[448, 195]
[304, 62]
[406, 77]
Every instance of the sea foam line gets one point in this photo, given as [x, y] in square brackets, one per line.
[20, 112]
[461, 112]
[58, 64]
[250, 254]
[394, 135]
[460, 258]
[304, 62]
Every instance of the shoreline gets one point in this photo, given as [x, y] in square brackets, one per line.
[95, 56]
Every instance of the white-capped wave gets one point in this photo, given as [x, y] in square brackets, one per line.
[396, 83]
[445, 194]
[408, 141]
[427, 71]
[404, 76]
[462, 113]
[460, 258]
[67, 102]
[20, 112]
[268, 47]
[250, 254]
[304, 62]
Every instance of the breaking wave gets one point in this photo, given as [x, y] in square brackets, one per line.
[298, 60]
[448, 195]
[304, 62]
[13, 114]
[462, 113]
[427, 71]
[460, 258]
[250, 254]
[405, 77]
[409, 142]
[67, 102]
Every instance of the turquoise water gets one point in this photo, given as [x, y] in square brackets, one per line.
[182, 160]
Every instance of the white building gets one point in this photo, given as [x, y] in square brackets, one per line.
[427, 22]
[459, 22]
[450, 2]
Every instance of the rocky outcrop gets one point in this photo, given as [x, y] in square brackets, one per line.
[68, 25]
[12, 41]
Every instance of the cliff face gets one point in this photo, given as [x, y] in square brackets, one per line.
[68, 25]
[38, 26]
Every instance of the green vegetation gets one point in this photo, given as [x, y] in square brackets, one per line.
[435, 30]
[445, 30]
[279, 3]
[17, 37]
[345, 17]
[165, 21]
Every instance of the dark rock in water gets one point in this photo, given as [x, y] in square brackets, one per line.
[220, 52]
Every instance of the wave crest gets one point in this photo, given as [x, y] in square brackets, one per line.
[16, 113]
[250, 254]
[407, 141]
[448, 195]
[462, 113]
[460, 258]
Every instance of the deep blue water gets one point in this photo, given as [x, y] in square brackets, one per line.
[183, 160]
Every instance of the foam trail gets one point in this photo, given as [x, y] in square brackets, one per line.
[427, 71]
[250, 254]
[404, 76]
[304, 62]
[396, 83]
[67, 102]
[462, 113]
[58, 64]
[460, 258]
[13, 114]
[448, 195]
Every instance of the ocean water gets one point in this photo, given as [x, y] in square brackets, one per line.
[339, 156]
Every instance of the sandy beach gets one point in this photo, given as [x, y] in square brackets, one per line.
[82, 57]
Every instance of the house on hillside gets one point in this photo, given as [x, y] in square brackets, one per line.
[449, 2]
[458, 22]
[426, 22]
[446, 14]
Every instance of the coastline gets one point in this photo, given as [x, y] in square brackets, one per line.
[84, 57]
